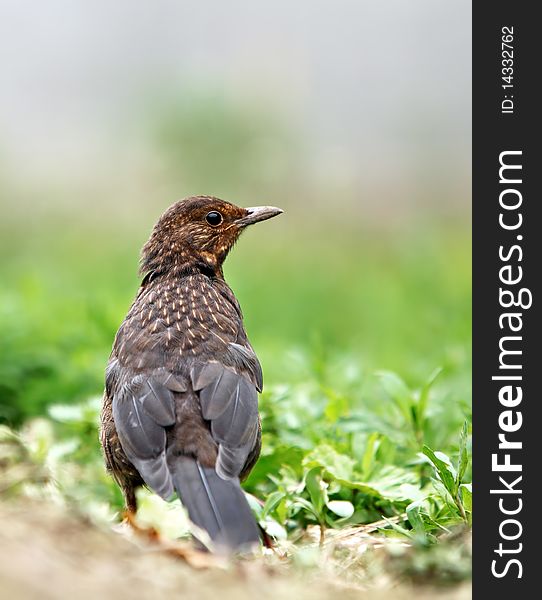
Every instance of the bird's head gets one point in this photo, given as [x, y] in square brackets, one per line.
[198, 232]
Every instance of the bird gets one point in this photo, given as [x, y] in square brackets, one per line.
[180, 407]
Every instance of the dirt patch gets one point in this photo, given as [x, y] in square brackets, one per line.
[47, 553]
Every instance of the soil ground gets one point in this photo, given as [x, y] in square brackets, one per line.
[48, 554]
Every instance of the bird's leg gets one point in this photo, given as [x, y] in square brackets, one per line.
[129, 516]
[130, 500]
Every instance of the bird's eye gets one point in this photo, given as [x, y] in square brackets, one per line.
[214, 218]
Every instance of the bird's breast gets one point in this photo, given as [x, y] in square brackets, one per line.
[176, 319]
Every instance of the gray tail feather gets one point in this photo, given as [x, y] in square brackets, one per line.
[216, 505]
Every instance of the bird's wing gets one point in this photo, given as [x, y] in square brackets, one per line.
[143, 405]
[229, 400]
[245, 360]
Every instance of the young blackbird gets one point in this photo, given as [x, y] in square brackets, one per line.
[180, 410]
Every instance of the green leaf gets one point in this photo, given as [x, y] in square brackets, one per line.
[463, 454]
[360, 486]
[415, 518]
[272, 459]
[307, 506]
[282, 510]
[466, 497]
[316, 488]
[398, 391]
[424, 394]
[335, 464]
[337, 405]
[444, 494]
[388, 483]
[274, 529]
[368, 459]
[444, 468]
[398, 529]
[342, 508]
[272, 501]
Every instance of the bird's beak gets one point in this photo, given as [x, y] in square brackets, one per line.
[255, 214]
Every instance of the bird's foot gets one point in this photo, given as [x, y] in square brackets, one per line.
[148, 533]
[184, 551]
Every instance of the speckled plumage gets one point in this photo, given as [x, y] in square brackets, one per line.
[180, 410]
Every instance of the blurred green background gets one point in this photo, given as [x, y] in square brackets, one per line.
[358, 127]
[354, 117]
[396, 300]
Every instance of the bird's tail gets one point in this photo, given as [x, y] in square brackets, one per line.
[216, 505]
